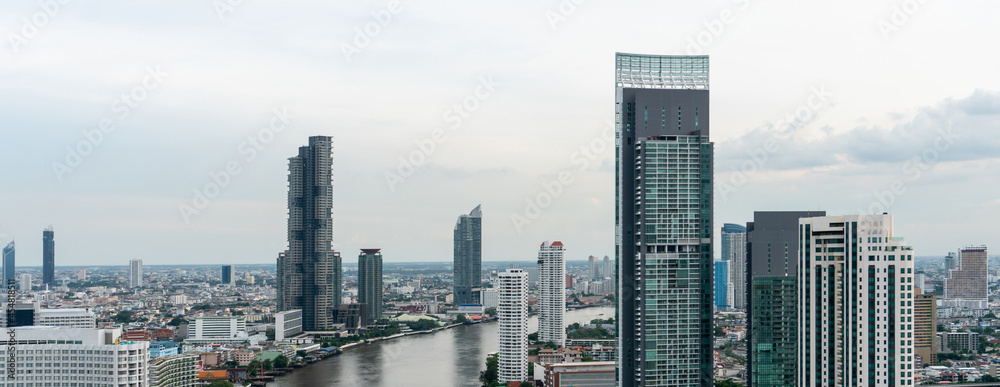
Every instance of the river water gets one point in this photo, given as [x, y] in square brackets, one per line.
[452, 357]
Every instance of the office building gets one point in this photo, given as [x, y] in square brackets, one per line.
[512, 315]
[721, 282]
[287, 324]
[370, 282]
[954, 342]
[81, 274]
[924, 328]
[102, 358]
[174, 371]
[966, 285]
[950, 262]
[48, 258]
[594, 264]
[135, 273]
[607, 271]
[772, 296]
[664, 220]
[163, 348]
[468, 257]
[227, 274]
[552, 293]
[490, 298]
[24, 283]
[734, 240]
[855, 303]
[353, 316]
[66, 317]
[589, 374]
[309, 272]
[8, 266]
[219, 330]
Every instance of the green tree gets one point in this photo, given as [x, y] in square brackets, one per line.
[727, 383]
[301, 353]
[587, 358]
[220, 383]
[491, 312]
[988, 379]
[491, 376]
[253, 368]
[123, 317]
[461, 319]
[532, 337]
[177, 321]
[719, 332]
[531, 368]
[953, 345]
[268, 364]
[281, 361]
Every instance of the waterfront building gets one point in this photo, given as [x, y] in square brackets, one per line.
[664, 232]
[219, 330]
[370, 282]
[174, 371]
[512, 315]
[468, 257]
[287, 324]
[772, 249]
[552, 293]
[101, 357]
[309, 273]
[855, 303]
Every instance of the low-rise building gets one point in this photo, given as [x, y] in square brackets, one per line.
[591, 374]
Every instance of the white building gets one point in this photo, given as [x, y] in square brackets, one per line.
[49, 356]
[851, 266]
[81, 275]
[489, 297]
[135, 273]
[25, 282]
[512, 338]
[287, 324]
[174, 371]
[552, 293]
[179, 299]
[68, 317]
[736, 285]
[219, 330]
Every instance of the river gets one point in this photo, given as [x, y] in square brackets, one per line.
[452, 357]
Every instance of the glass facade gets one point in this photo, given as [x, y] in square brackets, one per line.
[468, 257]
[721, 276]
[773, 343]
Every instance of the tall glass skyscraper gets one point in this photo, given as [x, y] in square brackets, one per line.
[227, 274]
[721, 280]
[664, 220]
[8, 265]
[309, 272]
[734, 251]
[370, 282]
[48, 258]
[469, 257]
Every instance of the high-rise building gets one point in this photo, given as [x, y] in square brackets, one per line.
[966, 285]
[734, 241]
[721, 280]
[606, 269]
[102, 357]
[772, 296]
[24, 284]
[552, 293]
[81, 274]
[8, 266]
[48, 258]
[287, 324]
[924, 328]
[309, 272]
[664, 220]
[469, 257]
[227, 274]
[174, 371]
[370, 282]
[855, 303]
[595, 267]
[950, 262]
[135, 273]
[512, 315]
[219, 330]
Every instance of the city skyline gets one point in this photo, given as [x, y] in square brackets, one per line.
[192, 124]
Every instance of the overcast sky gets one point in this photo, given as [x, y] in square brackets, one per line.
[511, 96]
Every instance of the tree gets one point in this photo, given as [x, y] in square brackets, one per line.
[988, 379]
[532, 337]
[531, 368]
[281, 361]
[491, 376]
[587, 358]
[461, 319]
[220, 383]
[990, 315]
[253, 368]
[301, 353]
[719, 332]
[177, 321]
[953, 345]
[268, 365]
[491, 312]
[940, 328]
[123, 317]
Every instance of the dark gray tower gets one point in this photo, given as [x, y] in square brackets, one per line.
[370, 282]
[664, 220]
[227, 274]
[309, 272]
[48, 258]
[8, 266]
[469, 257]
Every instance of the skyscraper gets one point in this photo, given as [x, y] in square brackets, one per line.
[855, 303]
[966, 285]
[25, 282]
[227, 274]
[309, 272]
[512, 315]
[772, 297]
[469, 257]
[370, 282]
[734, 250]
[48, 258]
[924, 328]
[8, 266]
[135, 273]
[721, 281]
[606, 269]
[552, 293]
[595, 268]
[950, 262]
[664, 220]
